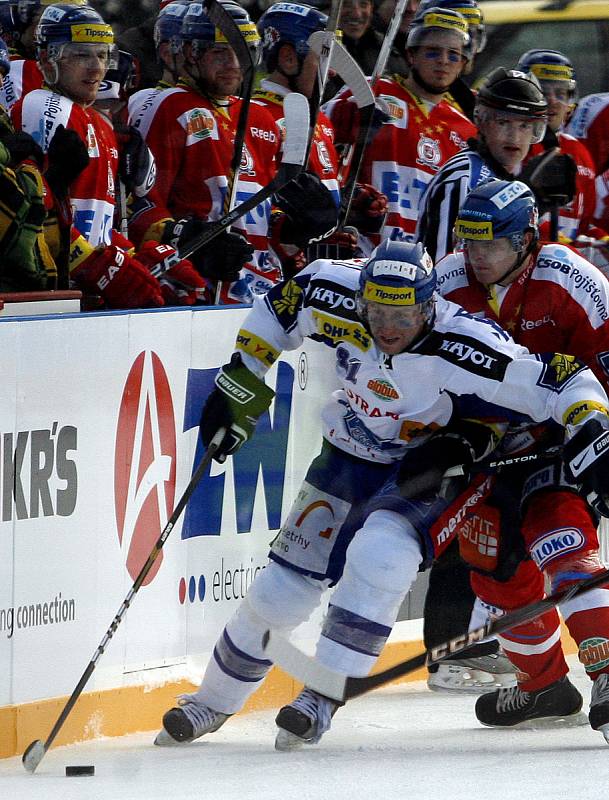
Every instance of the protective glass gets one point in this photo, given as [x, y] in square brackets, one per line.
[88, 55]
[379, 315]
[513, 123]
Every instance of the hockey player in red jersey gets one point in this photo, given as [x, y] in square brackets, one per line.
[589, 123]
[548, 297]
[191, 131]
[291, 65]
[75, 51]
[168, 53]
[424, 130]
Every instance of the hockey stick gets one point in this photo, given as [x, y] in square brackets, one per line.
[509, 461]
[354, 155]
[37, 749]
[296, 115]
[327, 40]
[342, 687]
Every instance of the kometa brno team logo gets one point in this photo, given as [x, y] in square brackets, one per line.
[145, 462]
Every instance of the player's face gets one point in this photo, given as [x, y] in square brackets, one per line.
[395, 328]
[81, 69]
[356, 17]
[220, 70]
[439, 60]
[490, 260]
[508, 137]
[557, 97]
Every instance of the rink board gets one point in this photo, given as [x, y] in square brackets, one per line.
[99, 439]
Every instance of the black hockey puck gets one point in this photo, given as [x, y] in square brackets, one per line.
[73, 772]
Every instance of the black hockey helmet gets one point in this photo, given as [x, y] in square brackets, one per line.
[513, 91]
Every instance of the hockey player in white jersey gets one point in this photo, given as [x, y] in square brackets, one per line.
[402, 355]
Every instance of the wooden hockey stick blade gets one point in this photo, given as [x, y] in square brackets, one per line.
[36, 750]
[331, 684]
[296, 115]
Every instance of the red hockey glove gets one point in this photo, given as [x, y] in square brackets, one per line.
[118, 277]
[180, 283]
[368, 209]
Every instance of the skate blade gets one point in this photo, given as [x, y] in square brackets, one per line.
[466, 688]
[570, 721]
[286, 741]
[469, 683]
[163, 739]
[604, 729]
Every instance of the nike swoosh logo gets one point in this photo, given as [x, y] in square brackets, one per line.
[575, 466]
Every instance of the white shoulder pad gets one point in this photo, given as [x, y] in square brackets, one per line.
[42, 112]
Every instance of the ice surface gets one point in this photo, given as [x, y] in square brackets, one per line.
[399, 743]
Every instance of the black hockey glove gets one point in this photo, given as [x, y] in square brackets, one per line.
[221, 259]
[309, 208]
[551, 176]
[238, 400]
[67, 157]
[421, 473]
[136, 165]
[586, 458]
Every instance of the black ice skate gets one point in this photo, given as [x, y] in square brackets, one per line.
[304, 721]
[188, 722]
[558, 703]
[599, 705]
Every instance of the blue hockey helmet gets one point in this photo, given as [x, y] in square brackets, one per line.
[498, 209]
[169, 21]
[550, 67]
[473, 16]
[65, 22]
[64, 25]
[436, 19]
[200, 31]
[288, 23]
[400, 276]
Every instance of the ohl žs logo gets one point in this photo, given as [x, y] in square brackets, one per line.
[144, 462]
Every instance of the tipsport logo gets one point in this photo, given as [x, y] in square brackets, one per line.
[145, 462]
[265, 456]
